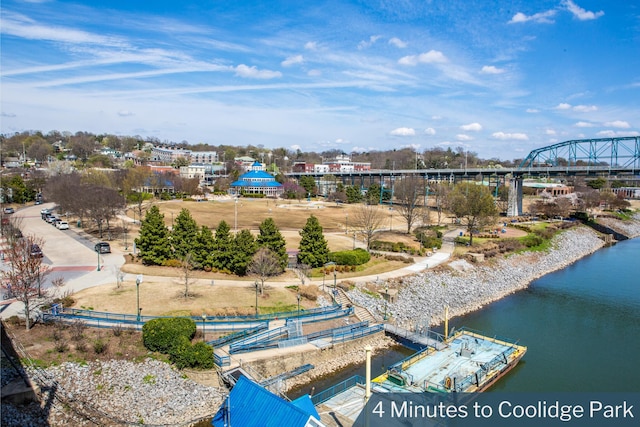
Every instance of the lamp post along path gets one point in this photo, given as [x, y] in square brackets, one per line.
[138, 281]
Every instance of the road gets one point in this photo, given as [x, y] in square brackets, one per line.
[69, 254]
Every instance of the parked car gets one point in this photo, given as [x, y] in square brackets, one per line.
[36, 252]
[55, 221]
[8, 210]
[62, 225]
[102, 247]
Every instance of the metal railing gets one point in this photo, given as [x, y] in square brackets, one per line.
[327, 394]
[359, 333]
[238, 335]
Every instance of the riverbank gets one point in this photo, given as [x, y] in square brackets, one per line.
[466, 287]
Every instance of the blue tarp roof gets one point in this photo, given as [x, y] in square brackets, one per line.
[251, 405]
[256, 175]
[243, 183]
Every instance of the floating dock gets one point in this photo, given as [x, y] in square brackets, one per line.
[468, 362]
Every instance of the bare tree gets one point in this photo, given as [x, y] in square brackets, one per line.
[186, 265]
[264, 264]
[26, 273]
[473, 204]
[367, 219]
[408, 192]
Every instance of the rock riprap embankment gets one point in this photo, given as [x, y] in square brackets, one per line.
[116, 393]
[422, 297]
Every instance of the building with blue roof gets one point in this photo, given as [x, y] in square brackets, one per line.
[251, 405]
[256, 181]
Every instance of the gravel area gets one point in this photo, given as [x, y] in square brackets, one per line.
[468, 287]
[116, 393]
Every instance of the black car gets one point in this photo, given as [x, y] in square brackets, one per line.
[36, 252]
[102, 247]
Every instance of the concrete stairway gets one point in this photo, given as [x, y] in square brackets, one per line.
[361, 313]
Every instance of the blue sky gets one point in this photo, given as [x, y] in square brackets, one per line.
[499, 78]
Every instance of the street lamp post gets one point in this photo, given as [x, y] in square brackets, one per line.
[98, 252]
[138, 281]
[257, 285]
[204, 319]
[335, 273]
[386, 299]
[235, 215]
[298, 304]
[124, 235]
[354, 240]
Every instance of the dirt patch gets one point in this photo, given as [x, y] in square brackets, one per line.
[56, 343]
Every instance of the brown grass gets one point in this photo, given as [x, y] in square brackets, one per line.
[164, 299]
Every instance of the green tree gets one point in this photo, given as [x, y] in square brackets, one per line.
[313, 249]
[473, 204]
[373, 194]
[271, 238]
[243, 250]
[204, 247]
[597, 183]
[309, 184]
[354, 195]
[153, 242]
[223, 247]
[184, 234]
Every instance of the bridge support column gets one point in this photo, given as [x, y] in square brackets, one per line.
[514, 207]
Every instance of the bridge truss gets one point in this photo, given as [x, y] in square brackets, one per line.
[622, 152]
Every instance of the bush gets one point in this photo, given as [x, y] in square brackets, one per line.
[310, 292]
[163, 333]
[172, 263]
[198, 356]
[532, 240]
[99, 346]
[357, 256]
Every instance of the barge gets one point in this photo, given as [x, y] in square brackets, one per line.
[468, 362]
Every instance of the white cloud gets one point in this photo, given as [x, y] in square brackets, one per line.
[253, 73]
[490, 69]
[430, 131]
[532, 110]
[296, 147]
[436, 117]
[403, 132]
[550, 132]
[311, 45]
[540, 18]
[585, 108]
[584, 125]
[472, 126]
[580, 13]
[620, 124]
[365, 44]
[507, 136]
[463, 137]
[431, 57]
[397, 42]
[125, 113]
[314, 73]
[563, 106]
[292, 60]
[613, 133]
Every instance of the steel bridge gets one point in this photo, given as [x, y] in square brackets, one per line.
[603, 157]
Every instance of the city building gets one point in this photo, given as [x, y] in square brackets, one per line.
[256, 181]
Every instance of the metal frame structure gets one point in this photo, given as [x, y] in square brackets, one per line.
[622, 152]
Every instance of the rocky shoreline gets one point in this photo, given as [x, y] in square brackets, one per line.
[466, 287]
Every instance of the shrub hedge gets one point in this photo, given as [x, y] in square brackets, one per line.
[163, 333]
[187, 355]
[357, 256]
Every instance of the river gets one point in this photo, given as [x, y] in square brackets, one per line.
[581, 326]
